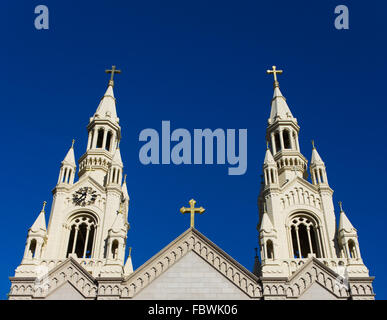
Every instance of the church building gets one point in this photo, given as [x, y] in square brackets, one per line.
[80, 253]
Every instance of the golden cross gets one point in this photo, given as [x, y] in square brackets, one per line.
[192, 210]
[72, 143]
[274, 71]
[313, 144]
[112, 72]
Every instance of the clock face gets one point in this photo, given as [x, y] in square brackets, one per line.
[84, 196]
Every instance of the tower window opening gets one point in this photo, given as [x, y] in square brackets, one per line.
[64, 176]
[100, 138]
[81, 237]
[32, 248]
[305, 237]
[270, 249]
[352, 249]
[115, 249]
[91, 139]
[286, 137]
[272, 176]
[108, 141]
[277, 141]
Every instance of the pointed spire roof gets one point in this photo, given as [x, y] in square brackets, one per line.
[40, 222]
[268, 157]
[70, 157]
[128, 268]
[117, 160]
[107, 106]
[266, 224]
[125, 189]
[279, 107]
[316, 159]
[345, 224]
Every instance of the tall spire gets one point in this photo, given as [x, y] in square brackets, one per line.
[279, 107]
[40, 222]
[107, 105]
[316, 159]
[70, 157]
[345, 224]
[268, 157]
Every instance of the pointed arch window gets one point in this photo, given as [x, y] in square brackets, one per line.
[270, 249]
[305, 236]
[277, 141]
[82, 236]
[114, 252]
[32, 248]
[100, 138]
[108, 141]
[286, 137]
[352, 249]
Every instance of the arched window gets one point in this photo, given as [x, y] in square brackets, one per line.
[305, 236]
[100, 138]
[277, 141]
[82, 236]
[286, 137]
[352, 249]
[32, 248]
[115, 249]
[270, 249]
[108, 140]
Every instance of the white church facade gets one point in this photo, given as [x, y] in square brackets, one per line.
[80, 253]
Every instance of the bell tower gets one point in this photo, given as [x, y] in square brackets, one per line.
[297, 221]
[88, 222]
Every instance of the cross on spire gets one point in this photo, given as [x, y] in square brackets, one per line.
[274, 71]
[192, 210]
[44, 205]
[112, 71]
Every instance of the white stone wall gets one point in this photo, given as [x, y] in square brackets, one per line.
[65, 292]
[317, 292]
[191, 278]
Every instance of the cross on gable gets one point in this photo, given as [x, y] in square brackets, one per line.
[192, 210]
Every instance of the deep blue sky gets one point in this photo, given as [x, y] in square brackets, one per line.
[198, 64]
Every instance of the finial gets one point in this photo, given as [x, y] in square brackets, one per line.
[72, 143]
[44, 205]
[112, 72]
[130, 251]
[341, 206]
[267, 145]
[313, 144]
[274, 71]
[125, 178]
